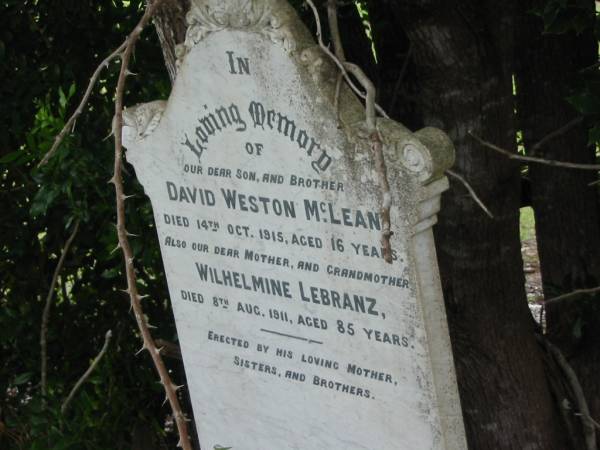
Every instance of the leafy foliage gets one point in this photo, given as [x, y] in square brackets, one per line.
[576, 16]
[48, 51]
[562, 16]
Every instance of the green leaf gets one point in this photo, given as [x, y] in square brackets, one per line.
[62, 98]
[10, 157]
[585, 102]
[594, 135]
[43, 199]
[38, 420]
[110, 273]
[22, 378]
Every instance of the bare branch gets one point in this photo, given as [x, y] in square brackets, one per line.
[70, 125]
[571, 376]
[534, 159]
[369, 87]
[386, 204]
[46, 313]
[87, 373]
[338, 48]
[336, 98]
[401, 77]
[571, 295]
[371, 106]
[471, 191]
[371, 118]
[117, 180]
[591, 419]
[332, 18]
[556, 133]
[337, 62]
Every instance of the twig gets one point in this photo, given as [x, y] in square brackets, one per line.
[367, 84]
[117, 180]
[69, 126]
[371, 106]
[46, 313]
[377, 150]
[332, 18]
[87, 373]
[576, 293]
[386, 204]
[337, 61]
[571, 376]
[591, 419]
[533, 159]
[471, 191]
[371, 120]
[401, 77]
[169, 349]
[556, 133]
[338, 48]
[336, 98]
[560, 390]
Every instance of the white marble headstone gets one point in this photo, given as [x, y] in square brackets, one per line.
[295, 333]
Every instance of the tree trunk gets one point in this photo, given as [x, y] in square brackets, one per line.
[463, 58]
[395, 79]
[566, 208]
[169, 22]
[461, 55]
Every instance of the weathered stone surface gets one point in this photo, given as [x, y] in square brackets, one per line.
[294, 331]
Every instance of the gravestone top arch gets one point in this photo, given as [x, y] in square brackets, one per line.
[295, 332]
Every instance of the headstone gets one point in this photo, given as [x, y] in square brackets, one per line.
[295, 333]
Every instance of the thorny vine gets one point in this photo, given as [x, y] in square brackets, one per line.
[70, 125]
[124, 52]
[370, 110]
[134, 296]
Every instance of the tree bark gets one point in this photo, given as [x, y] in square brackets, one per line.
[395, 72]
[463, 57]
[566, 209]
[170, 25]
